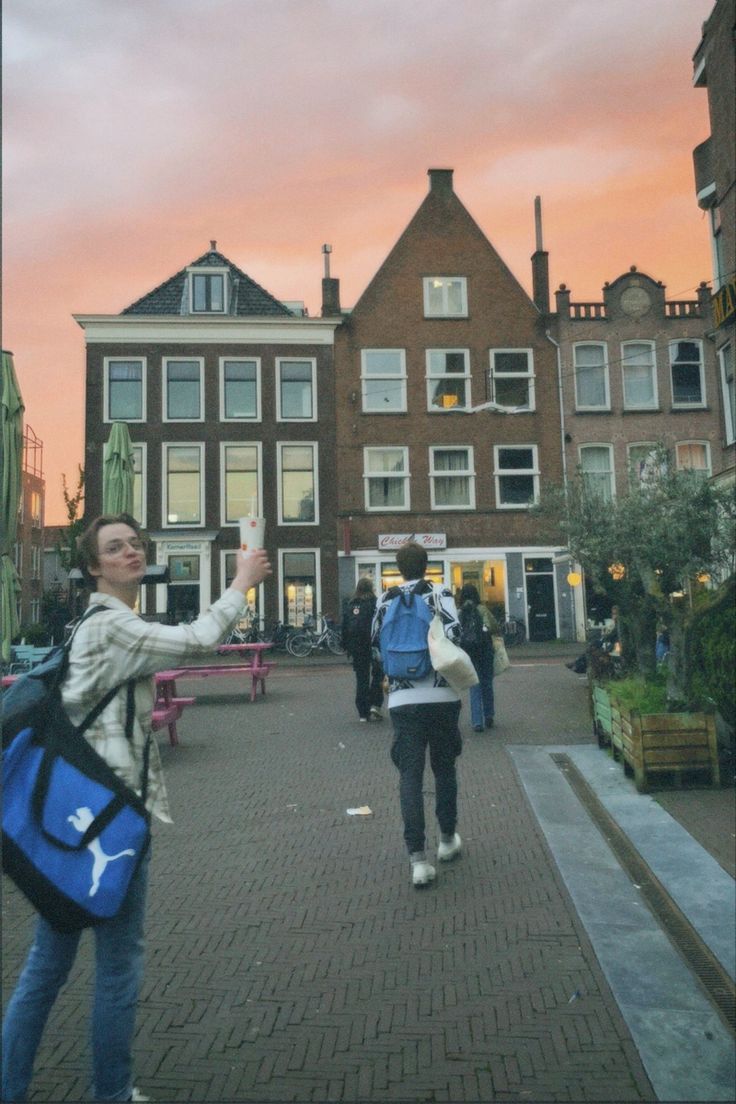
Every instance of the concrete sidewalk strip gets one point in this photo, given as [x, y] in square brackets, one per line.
[686, 1050]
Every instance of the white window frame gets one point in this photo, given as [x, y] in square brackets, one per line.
[606, 375]
[258, 414]
[708, 469]
[405, 475]
[224, 446]
[209, 270]
[728, 411]
[432, 376]
[529, 375]
[302, 360]
[317, 600]
[499, 473]
[651, 446]
[397, 380]
[611, 466]
[165, 389]
[654, 404]
[175, 525]
[688, 405]
[427, 283]
[106, 362]
[142, 448]
[35, 561]
[280, 446]
[467, 473]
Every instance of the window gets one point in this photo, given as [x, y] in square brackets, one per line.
[517, 476]
[591, 377]
[386, 478]
[139, 484]
[644, 463]
[300, 579]
[596, 468]
[207, 292]
[35, 509]
[640, 384]
[445, 297]
[184, 486]
[240, 390]
[35, 609]
[298, 484]
[296, 390]
[451, 478]
[124, 390]
[254, 595]
[35, 562]
[383, 380]
[693, 455]
[18, 557]
[183, 390]
[512, 377]
[448, 376]
[686, 367]
[240, 482]
[726, 357]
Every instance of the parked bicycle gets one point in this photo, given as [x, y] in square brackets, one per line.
[246, 631]
[513, 631]
[308, 640]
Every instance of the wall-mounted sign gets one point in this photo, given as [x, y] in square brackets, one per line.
[389, 542]
[724, 303]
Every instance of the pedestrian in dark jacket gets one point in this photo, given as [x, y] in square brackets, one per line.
[481, 652]
[356, 639]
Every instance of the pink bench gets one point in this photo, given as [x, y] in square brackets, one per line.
[167, 713]
[257, 674]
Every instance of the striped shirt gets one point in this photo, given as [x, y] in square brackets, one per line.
[115, 646]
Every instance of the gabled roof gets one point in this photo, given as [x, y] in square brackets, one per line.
[246, 296]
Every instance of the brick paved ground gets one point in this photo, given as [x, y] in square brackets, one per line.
[289, 957]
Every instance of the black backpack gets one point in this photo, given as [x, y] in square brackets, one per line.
[356, 623]
[472, 630]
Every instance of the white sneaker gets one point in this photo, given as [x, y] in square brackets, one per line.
[448, 851]
[138, 1095]
[376, 713]
[422, 873]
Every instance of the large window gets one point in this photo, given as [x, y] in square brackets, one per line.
[596, 466]
[591, 377]
[639, 376]
[644, 462]
[240, 467]
[516, 472]
[300, 582]
[386, 478]
[125, 399]
[298, 484]
[451, 478]
[184, 484]
[512, 377]
[448, 378]
[445, 297]
[207, 292]
[296, 390]
[686, 368]
[183, 390]
[693, 455]
[383, 380]
[727, 357]
[240, 389]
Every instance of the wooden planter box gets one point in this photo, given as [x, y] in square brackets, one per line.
[600, 704]
[664, 743]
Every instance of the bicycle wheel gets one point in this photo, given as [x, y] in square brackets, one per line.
[299, 644]
[334, 644]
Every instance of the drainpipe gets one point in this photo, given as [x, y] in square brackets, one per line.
[556, 344]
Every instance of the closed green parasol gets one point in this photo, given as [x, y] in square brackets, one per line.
[117, 475]
[11, 463]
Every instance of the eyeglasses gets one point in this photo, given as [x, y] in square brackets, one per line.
[114, 548]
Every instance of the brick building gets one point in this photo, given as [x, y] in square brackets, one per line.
[229, 398]
[444, 327]
[715, 185]
[28, 548]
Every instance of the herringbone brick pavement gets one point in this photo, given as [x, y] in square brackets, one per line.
[289, 957]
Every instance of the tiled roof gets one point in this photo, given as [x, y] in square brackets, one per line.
[246, 296]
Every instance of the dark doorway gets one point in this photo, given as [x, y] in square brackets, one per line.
[540, 597]
[183, 602]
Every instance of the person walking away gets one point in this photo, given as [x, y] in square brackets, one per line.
[424, 709]
[477, 626]
[357, 622]
[110, 649]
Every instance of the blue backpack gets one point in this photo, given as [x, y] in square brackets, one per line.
[404, 650]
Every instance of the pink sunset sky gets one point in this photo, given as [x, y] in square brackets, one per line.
[136, 132]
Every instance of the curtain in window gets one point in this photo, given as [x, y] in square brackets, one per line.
[638, 376]
[596, 465]
[590, 375]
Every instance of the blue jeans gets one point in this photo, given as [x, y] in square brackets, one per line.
[118, 973]
[415, 726]
[481, 696]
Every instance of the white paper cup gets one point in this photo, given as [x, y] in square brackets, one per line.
[252, 531]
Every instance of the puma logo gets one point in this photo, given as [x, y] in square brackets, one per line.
[81, 821]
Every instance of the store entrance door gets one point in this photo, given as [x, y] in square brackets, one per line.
[540, 600]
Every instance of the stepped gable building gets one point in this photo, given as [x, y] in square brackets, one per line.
[444, 327]
[637, 370]
[229, 398]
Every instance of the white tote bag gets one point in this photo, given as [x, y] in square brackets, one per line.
[455, 665]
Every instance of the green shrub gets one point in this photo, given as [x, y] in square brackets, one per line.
[710, 646]
[35, 634]
[642, 695]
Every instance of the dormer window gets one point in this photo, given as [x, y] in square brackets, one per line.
[207, 291]
[445, 297]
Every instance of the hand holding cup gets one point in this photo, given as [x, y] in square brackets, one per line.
[251, 569]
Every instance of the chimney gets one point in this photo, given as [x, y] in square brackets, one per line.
[330, 288]
[540, 263]
[562, 295]
[213, 246]
[440, 181]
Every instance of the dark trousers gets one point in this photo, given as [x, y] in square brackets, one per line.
[415, 727]
[368, 683]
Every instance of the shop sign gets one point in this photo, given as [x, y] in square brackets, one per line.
[724, 303]
[389, 542]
